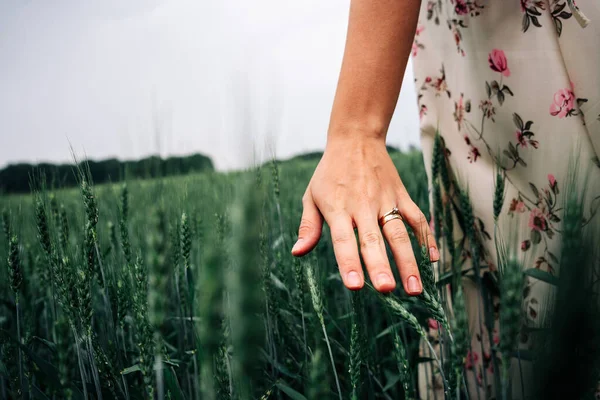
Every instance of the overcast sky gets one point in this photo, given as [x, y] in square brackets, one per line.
[127, 79]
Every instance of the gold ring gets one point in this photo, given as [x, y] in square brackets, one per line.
[390, 215]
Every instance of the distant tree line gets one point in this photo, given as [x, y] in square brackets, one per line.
[17, 178]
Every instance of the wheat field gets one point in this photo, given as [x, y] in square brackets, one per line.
[185, 288]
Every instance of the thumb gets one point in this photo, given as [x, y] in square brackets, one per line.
[310, 229]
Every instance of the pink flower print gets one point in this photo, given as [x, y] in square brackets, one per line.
[440, 85]
[525, 245]
[473, 154]
[532, 4]
[524, 135]
[471, 359]
[416, 45]
[459, 112]
[516, 206]
[521, 139]
[563, 105]
[552, 180]
[457, 36]
[537, 220]
[498, 62]
[473, 151]
[461, 7]
[553, 183]
[433, 324]
[488, 109]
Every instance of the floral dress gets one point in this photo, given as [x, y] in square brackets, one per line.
[512, 87]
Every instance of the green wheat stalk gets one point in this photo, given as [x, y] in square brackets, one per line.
[317, 379]
[403, 366]
[210, 305]
[6, 223]
[123, 224]
[15, 275]
[318, 307]
[244, 287]
[511, 289]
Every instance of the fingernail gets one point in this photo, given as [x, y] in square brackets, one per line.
[297, 244]
[353, 279]
[413, 285]
[434, 254]
[384, 280]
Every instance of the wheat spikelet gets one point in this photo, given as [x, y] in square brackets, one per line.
[90, 241]
[186, 240]
[317, 302]
[437, 210]
[426, 271]
[143, 333]
[445, 175]
[355, 363]
[123, 224]
[438, 156]
[15, 270]
[498, 195]
[403, 367]
[124, 295]
[437, 165]
[43, 228]
[397, 308]
[449, 234]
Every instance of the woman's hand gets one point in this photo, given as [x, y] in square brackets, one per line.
[354, 185]
[356, 182]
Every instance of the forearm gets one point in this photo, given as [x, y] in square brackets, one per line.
[379, 40]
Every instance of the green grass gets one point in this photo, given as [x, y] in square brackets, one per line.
[184, 288]
[179, 286]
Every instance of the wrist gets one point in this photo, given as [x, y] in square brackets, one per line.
[358, 133]
[351, 140]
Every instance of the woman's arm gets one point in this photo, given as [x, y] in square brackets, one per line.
[356, 182]
[378, 43]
